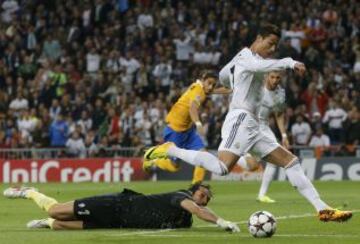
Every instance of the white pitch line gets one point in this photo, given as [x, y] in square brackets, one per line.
[277, 218]
[154, 232]
[247, 236]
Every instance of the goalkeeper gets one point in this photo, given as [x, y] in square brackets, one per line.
[127, 209]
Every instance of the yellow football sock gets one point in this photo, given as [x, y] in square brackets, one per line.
[44, 202]
[166, 164]
[199, 174]
[50, 222]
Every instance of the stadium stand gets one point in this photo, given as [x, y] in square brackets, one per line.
[93, 75]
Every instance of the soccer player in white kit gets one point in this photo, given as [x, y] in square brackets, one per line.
[273, 101]
[241, 130]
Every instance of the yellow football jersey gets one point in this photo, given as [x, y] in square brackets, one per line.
[179, 118]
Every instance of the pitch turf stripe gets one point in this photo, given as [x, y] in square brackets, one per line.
[149, 233]
[234, 130]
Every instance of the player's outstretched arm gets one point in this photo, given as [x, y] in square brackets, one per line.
[268, 65]
[222, 91]
[207, 215]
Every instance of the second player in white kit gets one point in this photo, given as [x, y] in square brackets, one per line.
[272, 102]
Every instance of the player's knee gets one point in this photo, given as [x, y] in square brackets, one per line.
[291, 162]
[55, 211]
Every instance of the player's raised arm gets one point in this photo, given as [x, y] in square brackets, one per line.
[267, 65]
[257, 58]
[207, 215]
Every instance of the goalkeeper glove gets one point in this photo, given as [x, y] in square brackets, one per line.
[227, 225]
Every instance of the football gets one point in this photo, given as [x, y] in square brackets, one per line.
[262, 224]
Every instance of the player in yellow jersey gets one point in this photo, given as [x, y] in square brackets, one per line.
[184, 126]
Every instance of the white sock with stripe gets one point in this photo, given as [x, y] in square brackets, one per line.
[298, 179]
[199, 158]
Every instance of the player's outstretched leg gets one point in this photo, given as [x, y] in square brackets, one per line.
[43, 201]
[265, 183]
[18, 192]
[55, 224]
[40, 223]
[196, 158]
[282, 157]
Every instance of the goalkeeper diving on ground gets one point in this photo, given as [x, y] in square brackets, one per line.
[126, 209]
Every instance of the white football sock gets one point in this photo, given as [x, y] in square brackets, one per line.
[242, 163]
[266, 179]
[199, 158]
[298, 179]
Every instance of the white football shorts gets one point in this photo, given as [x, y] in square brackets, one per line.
[241, 133]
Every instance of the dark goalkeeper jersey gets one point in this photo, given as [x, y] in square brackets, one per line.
[155, 211]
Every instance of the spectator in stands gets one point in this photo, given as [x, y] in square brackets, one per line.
[316, 122]
[163, 72]
[26, 125]
[55, 109]
[93, 61]
[334, 118]
[131, 66]
[295, 35]
[98, 113]
[40, 135]
[51, 48]
[9, 8]
[75, 146]
[99, 54]
[19, 103]
[90, 144]
[319, 139]
[85, 122]
[315, 98]
[58, 131]
[301, 131]
[352, 127]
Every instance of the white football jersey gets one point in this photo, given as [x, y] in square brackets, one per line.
[272, 101]
[244, 74]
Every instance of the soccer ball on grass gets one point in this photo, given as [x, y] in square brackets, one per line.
[262, 224]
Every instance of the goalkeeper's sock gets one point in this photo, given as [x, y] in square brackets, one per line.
[43, 201]
[266, 179]
[50, 222]
[298, 179]
[199, 158]
[199, 175]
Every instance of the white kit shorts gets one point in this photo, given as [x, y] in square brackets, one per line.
[241, 133]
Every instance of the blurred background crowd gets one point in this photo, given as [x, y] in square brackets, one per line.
[93, 74]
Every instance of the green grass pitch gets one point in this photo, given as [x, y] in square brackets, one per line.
[233, 200]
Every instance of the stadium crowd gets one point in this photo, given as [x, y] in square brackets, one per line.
[96, 74]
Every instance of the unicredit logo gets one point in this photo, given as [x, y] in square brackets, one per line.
[95, 170]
